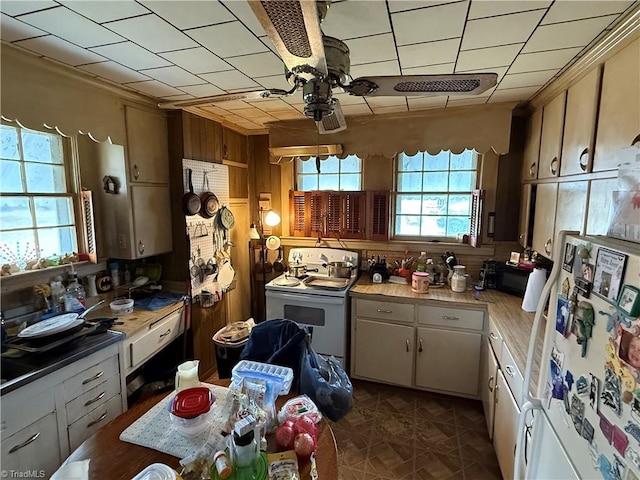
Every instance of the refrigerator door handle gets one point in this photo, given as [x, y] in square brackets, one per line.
[521, 440]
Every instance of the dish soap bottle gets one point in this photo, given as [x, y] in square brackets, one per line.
[422, 262]
[74, 295]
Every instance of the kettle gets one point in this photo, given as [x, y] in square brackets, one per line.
[187, 375]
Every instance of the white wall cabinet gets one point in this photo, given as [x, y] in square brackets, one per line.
[544, 218]
[147, 145]
[551, 138]
[532, 146]
[422, 346]
[488, 385]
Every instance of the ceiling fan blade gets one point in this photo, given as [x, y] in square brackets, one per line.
[422, 85]
[226, 97]
[294, 28]
[334, 122]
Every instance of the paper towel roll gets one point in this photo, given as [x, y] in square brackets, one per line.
[532, 293]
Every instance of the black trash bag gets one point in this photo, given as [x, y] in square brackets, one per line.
[327, 384]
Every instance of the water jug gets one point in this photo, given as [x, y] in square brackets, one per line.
[187, 375]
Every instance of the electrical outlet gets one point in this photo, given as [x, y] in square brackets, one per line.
[122, 241]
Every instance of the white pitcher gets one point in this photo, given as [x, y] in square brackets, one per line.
[187, 375]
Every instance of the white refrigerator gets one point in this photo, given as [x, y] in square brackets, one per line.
[584, 420]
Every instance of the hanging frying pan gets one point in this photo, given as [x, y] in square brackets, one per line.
[225, 218]
[208, 201]
[190, 201]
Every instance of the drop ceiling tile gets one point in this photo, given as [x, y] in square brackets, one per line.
[114, 71]
[152, 33]
[61, 50]
[420, 103]
[18, 7]
[355, 110]
[174, 76]
[375, 48]
[190, 14]
[234, 118]
[503, 30]
[500, 71]
[105, 10]
[429, 24]
[197, 60]
[565, 35]
[396, 109]
[155, 88]
[243, 12]
[492, 8]
[442, 69]
[205, 90]
[258, 64]
[264, 118]
[389, 67]
[230, 105]
[488, 57]
[564, 11]
[513, 94]
[131, 55]
[460, 102]
[529, 79]
[347, 99]
[215, 110]
[72, 27]
[287, 115]
[271, 105]
[432, 53]
[230, 80]
[248, 112]
[347, 20]
[12, 30]
[386, 101]
[530, 62]
[274, 81]
[228, 39]
[402, 5]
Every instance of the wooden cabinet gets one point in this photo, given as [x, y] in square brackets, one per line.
[150, 207]
[544, 218]
[580, 124]
[532, 147]
[384, 352]
[551, 137]
[422, 346]
[505, 426]
[524, 221]
[147, 147]
[572, 206]
[488, 385]
[34, 448]
[619, 115]
[234, 146]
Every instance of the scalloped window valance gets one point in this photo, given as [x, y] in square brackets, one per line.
[456, 129]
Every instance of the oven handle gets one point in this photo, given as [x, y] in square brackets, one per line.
[306, 299]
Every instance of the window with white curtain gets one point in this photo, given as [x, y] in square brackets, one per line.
[335, 174]
[434, 194]
[36, 196]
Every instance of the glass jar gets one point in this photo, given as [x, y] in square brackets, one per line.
[459, 279]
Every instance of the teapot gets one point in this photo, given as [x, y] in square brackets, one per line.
[187, 375]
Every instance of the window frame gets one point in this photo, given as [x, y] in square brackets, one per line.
[395, 194]
[72, 180]
[313, 160]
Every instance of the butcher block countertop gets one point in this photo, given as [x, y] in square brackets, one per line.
[505, 312]
[136, 321]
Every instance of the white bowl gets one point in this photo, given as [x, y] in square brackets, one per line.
[122, 306]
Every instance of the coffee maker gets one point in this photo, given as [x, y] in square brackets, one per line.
[487, 278]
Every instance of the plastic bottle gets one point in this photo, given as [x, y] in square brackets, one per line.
[75, 295]
[115, 274]
[127, 275]
[57, 294]
[422, 262]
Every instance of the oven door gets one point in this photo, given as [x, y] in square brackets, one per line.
[324, 316]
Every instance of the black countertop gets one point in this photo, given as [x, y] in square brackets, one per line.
[19, 371]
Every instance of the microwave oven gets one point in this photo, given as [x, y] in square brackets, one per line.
[511, 279]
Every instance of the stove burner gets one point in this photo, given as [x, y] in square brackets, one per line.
[287, 282]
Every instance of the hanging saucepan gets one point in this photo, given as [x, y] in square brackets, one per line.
[208, 201]
[278, 266]
[190, 201]
[339, 269]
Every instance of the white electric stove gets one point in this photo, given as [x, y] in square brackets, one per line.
[316, 301]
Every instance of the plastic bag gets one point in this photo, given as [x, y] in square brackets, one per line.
[327, 384]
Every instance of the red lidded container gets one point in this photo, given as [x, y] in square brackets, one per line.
[192, 402]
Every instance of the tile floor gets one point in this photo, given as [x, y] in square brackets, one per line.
[396, 433]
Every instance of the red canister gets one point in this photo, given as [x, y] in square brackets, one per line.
[420, 282]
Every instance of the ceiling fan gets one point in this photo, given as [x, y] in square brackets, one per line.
[317, 64]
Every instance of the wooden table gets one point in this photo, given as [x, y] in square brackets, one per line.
[114, 459]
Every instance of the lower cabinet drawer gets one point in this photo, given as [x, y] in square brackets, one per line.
[89, 378]
[86, 426]
[400, 312]
[155, 339]
[92, 399]
[451, 317]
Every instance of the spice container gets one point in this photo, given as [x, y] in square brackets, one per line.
[420, 282]
[458, 279]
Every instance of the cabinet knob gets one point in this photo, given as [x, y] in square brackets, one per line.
[493, 336]
[553, 166]
[584, 159]
[547, 247]
[532, 170]
[490, 383]
[29, 440]
[510, 369]
[420, 348]
[407, 344]
[136, 171]
[140, 247]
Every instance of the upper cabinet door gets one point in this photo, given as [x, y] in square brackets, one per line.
[152, 220]
[234, 146]
[532, 147]
[544, 218]
[147, 146]
[551, 139]
[619, 116]
[580, 125]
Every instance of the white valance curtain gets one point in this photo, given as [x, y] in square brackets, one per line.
[482, 128]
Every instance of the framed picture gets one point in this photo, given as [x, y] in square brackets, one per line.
[608, 274]
[629, 301]
[569, 255]
[562, 316]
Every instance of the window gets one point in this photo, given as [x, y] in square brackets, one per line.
[36, 198]
[335, 174]
[434, 194]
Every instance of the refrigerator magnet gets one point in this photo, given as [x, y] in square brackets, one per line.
[619, 440]
[634, 457]
[608, 274]
[587, 430]
[610, 395]
[594, 388]
[562, 315]
[569, 257]
[629, 302]
[584, 322]
[606, 428]
[566, 288]
[577, 413]
[633, 429]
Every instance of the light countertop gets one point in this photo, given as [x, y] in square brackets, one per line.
[136, 321]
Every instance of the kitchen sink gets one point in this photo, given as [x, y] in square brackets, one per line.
[11, 369]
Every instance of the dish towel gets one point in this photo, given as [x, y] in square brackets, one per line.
[155, 430]
[73, 471]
